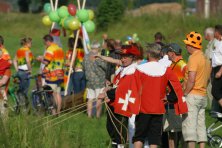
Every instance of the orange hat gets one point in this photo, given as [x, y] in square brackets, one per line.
[194, 39]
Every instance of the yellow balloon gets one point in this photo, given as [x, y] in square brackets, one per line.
[46, 21]
[91, 14]
[74, 24]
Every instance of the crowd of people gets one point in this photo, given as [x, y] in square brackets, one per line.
[154, 98]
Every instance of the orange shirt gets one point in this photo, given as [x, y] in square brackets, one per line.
[179, 68]
[198, 63]
[5, 54]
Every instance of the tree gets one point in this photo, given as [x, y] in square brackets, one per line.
[109, 11]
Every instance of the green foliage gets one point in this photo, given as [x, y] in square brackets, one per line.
[109, 11]
[79, 131]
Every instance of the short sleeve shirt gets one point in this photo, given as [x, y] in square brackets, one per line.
[201, 65]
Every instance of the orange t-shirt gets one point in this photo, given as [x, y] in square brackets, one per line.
[198, 63]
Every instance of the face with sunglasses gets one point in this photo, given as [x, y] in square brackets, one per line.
[126, 60]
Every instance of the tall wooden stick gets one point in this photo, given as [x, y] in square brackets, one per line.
[78, 2]
[84, 3]
[72, 61]
[56, 5]
[52, 5]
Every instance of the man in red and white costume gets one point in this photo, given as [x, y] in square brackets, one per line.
[151, 80]
[123, 93]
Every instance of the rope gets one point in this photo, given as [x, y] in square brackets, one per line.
[61, 116]
[110, 113]
[64, 119]
[61, 112]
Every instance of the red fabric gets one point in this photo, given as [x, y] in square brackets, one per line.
[126, 97]
[4, 65]
[55, 32]
[133, 50]
[152, 91]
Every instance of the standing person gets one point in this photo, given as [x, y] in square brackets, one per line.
[77, 81]
[54, 75]
[173, 123]
[209, 36]
[95, 79]
[117, 117]
[152, 79]
[159, 39]
[196, 79]
[5, 54]
[23, 63]
[111, 67]
[217, 65]
[5, 74]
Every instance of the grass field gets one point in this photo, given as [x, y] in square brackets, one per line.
[78, 131]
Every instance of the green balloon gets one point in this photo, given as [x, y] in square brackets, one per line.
[83, 15]
[90, 26]
[54, 17]
[91, 14]
[63, 12]
[66, 22]
[47, 8]
[74, 24]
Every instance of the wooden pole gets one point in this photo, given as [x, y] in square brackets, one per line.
[72, 61]
[73, 57]
[84, 3]
[78, 2]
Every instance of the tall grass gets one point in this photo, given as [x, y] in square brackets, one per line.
[80, 132]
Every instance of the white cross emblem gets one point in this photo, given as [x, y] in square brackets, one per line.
[126, 101]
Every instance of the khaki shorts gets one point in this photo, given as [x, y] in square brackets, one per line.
[93, 93]
[193, 124]
[54, 87]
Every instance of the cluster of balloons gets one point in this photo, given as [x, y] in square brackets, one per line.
[69, 17]
[134, 39]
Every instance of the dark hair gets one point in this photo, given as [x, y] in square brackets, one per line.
[79, 43]
[159, 36]
[218, 28]
[71, 42]
[111, 44]
[1, 40]
[26, 40]
[48, 38]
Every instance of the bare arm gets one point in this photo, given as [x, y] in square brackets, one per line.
[28, 61]
[15, 63]
[4, 80]
[110, 60]
[190, 82]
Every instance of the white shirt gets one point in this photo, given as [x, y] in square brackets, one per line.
[217, 54]
[209, 49]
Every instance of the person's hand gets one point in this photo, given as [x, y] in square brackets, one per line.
[218, 74]
[165, 100]
[102, 95]
[39, 58]
[107, 100]
[108, 83]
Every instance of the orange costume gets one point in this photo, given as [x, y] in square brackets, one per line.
[179, 67]
[54, 70]
[21, 56]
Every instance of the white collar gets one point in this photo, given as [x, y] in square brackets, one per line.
[165, 61]
[154, 69]
[126, 70]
